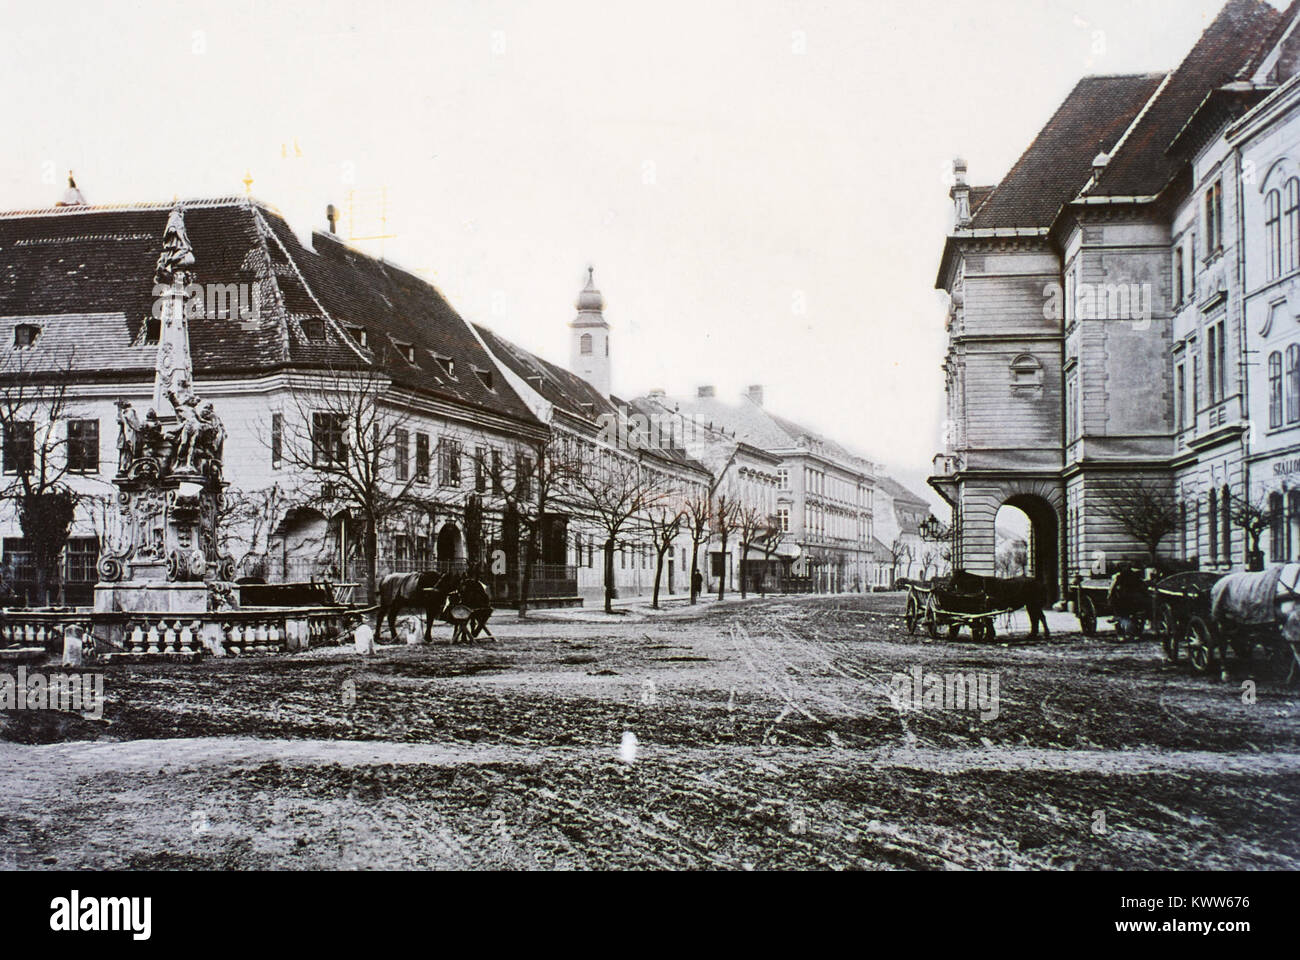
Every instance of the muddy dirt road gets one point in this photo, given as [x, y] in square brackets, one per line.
[763, 735]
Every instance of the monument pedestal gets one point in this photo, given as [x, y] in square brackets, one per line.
[151, 596]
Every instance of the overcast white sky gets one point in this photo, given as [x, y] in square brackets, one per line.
[760, 184]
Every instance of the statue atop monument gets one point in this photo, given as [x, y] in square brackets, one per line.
[173, 370]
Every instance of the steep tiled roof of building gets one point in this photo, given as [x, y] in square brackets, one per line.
[86, 275]
[1059, 161]
[899, 493]
[571, 393]
[1228, 49]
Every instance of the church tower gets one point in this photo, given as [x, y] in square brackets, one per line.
[589, 343]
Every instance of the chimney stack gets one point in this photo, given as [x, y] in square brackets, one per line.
[332, 215]
[704, 393]
[755, 393]
[960, 194]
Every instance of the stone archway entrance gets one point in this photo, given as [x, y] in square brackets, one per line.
[1042, 501]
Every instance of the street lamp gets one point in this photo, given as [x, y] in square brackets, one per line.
[934, 530]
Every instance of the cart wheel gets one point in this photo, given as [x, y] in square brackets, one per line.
[1201, 646]
[913, 615]
[1171, 633]
[1087, 616]
[932, 619]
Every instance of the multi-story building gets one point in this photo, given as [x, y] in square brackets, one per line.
[823, 491]
[902, 552]
[1096, 336]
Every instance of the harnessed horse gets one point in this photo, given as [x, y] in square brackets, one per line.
[428, 591]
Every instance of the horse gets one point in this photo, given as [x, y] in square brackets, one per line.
[428, 590]
[473, 594]
[1008, 595]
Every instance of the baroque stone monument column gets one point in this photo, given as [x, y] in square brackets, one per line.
[169, 476]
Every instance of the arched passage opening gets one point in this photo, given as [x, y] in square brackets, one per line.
[1028, 534]
[449, 542]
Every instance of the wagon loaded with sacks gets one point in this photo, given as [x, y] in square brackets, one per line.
[1209, 615]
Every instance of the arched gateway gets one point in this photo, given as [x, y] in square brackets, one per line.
[1042, 501]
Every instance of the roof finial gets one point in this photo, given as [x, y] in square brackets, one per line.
[72, 197]
[248, 183]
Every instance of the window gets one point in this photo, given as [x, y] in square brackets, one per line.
[584, 344]
[1180, 277]
[422, 459]
[486, 377]
[1214, 219]
[1291, 227]
[447, 363]
[277, 440]
[1275, 390]
[402, 454]
[1180, 397]
[402, 552]
[25, 334]
[1273, 233]
[19, 560]
[783, 478]
[313, 328]
[448, 463]
[83, 560]
[480, 470]
[783, 519]
[19, 446]
[83, 446]
[1072, 418]
[498, 488]
[360, 335]
[1276, 529]
[1216, 367]
[523, 477]
[329, 442]
[1293, 383]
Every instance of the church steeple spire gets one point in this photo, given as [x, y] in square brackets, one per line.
[589, 341]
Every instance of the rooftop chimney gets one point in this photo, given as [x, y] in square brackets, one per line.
[703, 393]
[960, 194]
[332, 215]
[1099, 165]
[755, 393]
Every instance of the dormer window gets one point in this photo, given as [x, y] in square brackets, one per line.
[25, 334]
[360, 335]
[447, 363]
[313, 328]
[486, 377]
[407, 350]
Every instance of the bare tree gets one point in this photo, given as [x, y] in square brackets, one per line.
[698, 521]
[726, 521]
[1253, 518]
[34, 415]
[614, 497]
[345, 431]
[1144, 510]
[665, 522]
[755, 529]
[900, 551]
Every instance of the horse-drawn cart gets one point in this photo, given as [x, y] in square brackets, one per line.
[1123, 597]
[1211, 614]
[938, 606]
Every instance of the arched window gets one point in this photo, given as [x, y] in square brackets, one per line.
[584, 345]
[1277, 552]
[1291, 227]
[1275, 389]
[1292, 523]
[1273, 233]
[1293, 383]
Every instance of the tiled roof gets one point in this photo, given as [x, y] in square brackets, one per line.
[571, 393]
[1059, 161]
[899, 493]
[1228, 49]
[86, 274]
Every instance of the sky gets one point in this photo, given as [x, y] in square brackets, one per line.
[761, 185]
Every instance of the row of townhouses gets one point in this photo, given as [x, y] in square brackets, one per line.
[311, 352]
[1125, 315]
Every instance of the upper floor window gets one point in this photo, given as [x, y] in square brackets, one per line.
[1214, 219]
[402, 454]
[1273, 233]
[1293, 383]
[83, 446]
[422, 457]
[1216, 366]
[277, 440]
[1291, 226]
[584, 345]
[449, 463]
[25, 334]
[1180, 276]
[19, 446]
[1275, 390]
[329, 444]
